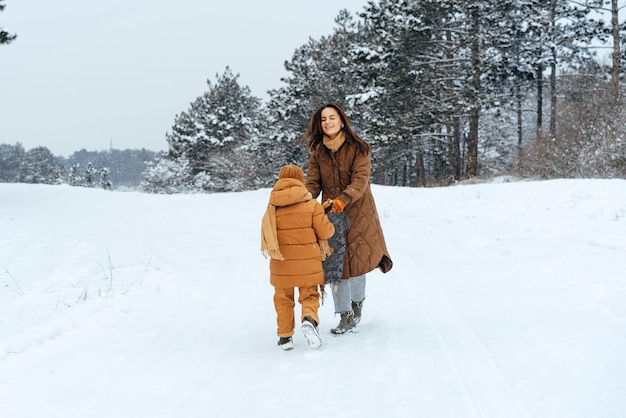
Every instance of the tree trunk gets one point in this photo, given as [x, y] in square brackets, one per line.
[455, 149]
[420, 179]
[539, 99]
[472, 140]
[553, 70]
[454, 145]
[616, 49]
[518, 102]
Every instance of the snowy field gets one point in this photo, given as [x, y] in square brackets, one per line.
[506, 300]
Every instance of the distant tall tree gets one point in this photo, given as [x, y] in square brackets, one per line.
[519, 69]
[437, 65]
[319, 72]
[37, 165]
[12, 159]
[41, 166]
[488, 46]
[473, 14]
[73, 177]
[5, 36]
[398, 87]
[105, 183]
[571, 31]
[216, 133]
[89, 174]
[617, 32]
[560, 32]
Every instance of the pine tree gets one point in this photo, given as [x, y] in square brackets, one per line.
[89, 174]
[216, 135]
[73, 177]
[167, 175]
[617, 33]
[41, 166]
[12, 159]
[105, 183]
[398, 86]
[319, 72]
[558, 33]
[6, 37]
[436, 66]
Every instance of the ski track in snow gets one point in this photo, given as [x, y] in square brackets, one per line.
[485, 392]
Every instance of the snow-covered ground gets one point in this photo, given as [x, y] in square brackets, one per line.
[506, 299]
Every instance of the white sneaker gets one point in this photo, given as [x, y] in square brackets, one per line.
[312, 335]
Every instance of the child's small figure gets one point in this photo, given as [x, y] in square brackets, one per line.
[294, 234]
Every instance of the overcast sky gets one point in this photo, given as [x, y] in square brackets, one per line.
[84, 74]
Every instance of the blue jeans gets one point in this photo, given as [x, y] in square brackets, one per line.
[348, 291]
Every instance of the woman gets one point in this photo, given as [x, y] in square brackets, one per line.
[339, 168]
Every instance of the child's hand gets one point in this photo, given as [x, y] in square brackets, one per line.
[328, 205]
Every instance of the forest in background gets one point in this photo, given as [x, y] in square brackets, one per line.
[110, 169]
[443, 91]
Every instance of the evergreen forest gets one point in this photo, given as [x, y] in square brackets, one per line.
[443, 91]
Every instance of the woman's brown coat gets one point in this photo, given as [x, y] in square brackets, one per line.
[298, 226]
[345, 174]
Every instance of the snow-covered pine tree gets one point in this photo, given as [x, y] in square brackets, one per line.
[167, 175]
[41, 166]
[73, 177]
[557, 33]
[397, 88]
[430, 64]
[319, 72]
[616, 32]
[89, 175]
[11, 163]
[215, 135]
[6, 36]
[105, 183]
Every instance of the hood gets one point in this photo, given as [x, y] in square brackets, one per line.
[288, 191]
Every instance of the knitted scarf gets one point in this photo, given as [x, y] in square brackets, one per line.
[269, 236]
[336, 142]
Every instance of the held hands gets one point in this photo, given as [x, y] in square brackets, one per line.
[333, 205]
[338, 205]
[328, 206]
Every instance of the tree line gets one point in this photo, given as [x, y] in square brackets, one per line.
[107, 169]
[443, 90]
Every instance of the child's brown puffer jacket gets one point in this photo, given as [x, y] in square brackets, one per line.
[299, 225]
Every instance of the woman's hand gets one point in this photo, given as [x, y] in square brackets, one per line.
[338, 205]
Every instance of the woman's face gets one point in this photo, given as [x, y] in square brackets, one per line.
[331, 122]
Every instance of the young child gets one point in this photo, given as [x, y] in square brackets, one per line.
[294, 234]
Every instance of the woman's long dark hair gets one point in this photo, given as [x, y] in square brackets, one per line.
[314, 135]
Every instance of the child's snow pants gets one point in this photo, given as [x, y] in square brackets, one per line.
[284, 302]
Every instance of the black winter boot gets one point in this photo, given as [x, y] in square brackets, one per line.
[346, 324]
[285, 343]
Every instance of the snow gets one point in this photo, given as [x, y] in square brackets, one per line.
[507, 299]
